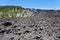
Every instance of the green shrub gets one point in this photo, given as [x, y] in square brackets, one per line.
[10, 10]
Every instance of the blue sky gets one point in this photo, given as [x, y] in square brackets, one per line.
[10, 2]
[41, 4]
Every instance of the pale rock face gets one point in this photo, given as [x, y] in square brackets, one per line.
[18, 14]
[9, 15]
[24, 15]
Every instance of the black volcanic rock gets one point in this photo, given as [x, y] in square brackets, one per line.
[7, 24]
[44, 25]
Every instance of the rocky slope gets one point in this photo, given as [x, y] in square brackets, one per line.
[41, 25]
[40, 12]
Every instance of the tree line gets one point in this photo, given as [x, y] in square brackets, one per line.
[5, 11]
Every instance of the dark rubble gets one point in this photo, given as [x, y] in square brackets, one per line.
[44, 25]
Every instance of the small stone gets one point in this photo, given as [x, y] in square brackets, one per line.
[31, 26]
[14, 26]
[59, 37]
[19, 39]
[12, 38]
[37, 37]
[41, 39]
[39, 32]
[19, 33]
[8, 31]
[35, 29]
[24, 27]
[41, 29]
[26, 31]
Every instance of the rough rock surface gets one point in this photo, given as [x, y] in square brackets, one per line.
[38, 27]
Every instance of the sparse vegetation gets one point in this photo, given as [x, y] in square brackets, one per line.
[10, 11]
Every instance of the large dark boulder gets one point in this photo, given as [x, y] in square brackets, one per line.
[7, 23]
